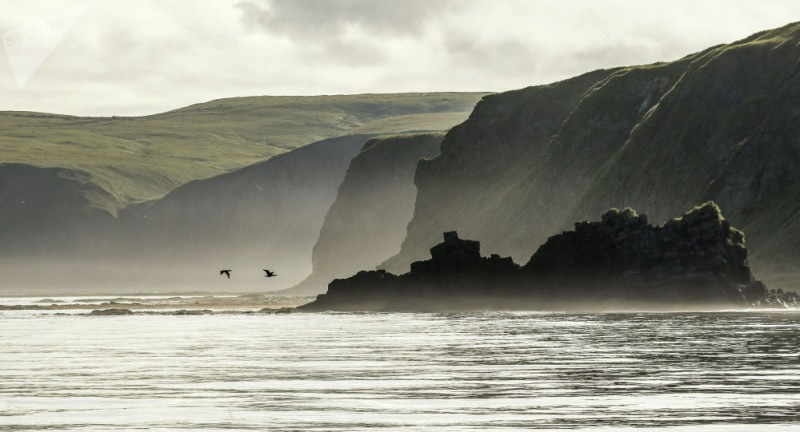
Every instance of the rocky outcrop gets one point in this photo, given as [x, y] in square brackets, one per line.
[698, 258]
[716, 125]
[621, 261]
[111, 312]
[457, 277]
[367, 222]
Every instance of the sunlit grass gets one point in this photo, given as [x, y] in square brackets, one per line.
[142, 158]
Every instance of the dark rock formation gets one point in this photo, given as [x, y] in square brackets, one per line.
[193, 312]
[276, 311]
[103, 312]
[696, 258]
[621, 261]
[456, 277]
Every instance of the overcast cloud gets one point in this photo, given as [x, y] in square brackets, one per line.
[146, 56]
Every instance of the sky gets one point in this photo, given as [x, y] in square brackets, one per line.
[138, 57]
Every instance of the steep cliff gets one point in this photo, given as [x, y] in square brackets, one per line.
[721, 124]
[466, 186]
[367, 222]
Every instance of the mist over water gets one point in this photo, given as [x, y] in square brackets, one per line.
[355, 371]
[80, 277]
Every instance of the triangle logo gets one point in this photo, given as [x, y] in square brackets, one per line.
[28, 46]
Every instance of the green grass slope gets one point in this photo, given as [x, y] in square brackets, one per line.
[728, 131]
[137, 159]
[722, 124]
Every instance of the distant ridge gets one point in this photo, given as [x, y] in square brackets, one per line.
[137, 159]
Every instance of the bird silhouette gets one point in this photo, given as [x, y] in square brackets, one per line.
[226, 273]
[269, 273]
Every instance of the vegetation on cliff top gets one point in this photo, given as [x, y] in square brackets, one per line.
[721, 124]
[141, 158]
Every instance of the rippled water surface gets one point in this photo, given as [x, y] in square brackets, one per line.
[343, 371]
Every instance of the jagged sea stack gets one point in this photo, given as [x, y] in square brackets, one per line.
[621, 261]
[695, 259]
[456, 277]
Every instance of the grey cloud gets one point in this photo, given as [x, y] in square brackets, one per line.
[152, 55]
[319, 28]
[502, 56]
[310, 19]
[336, 51]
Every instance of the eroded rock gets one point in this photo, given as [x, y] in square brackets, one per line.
[103, 312]
[622, 261]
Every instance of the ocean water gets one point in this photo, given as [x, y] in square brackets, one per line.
[715, 371]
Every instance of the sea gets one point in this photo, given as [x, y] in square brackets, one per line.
[233, 368]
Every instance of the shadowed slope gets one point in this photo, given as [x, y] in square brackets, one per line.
[375, 202]
[266, 214]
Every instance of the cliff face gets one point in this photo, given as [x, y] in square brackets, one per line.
[367, 222]
[481, 158]
[695, 261]
[720, 124]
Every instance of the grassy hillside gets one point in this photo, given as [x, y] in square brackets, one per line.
[721, 124]
[136, 159]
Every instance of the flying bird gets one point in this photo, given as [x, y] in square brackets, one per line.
[226, 273]
[269, 273]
